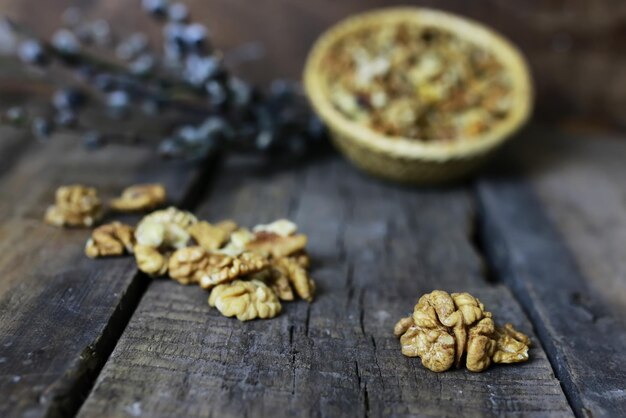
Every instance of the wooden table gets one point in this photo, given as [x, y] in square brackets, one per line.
[540, 239]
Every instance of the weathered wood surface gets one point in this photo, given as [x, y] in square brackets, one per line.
[556, 232]
[61, 313]
[375, 248]
[12, 144]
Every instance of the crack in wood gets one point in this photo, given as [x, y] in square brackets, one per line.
[476, 236]
[375, 352]
[349, 282]
[67, 395]
[362, 311]
[362, 384]
[518, 273]
[307, 319]
[293, 361]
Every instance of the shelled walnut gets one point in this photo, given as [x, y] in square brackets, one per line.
[237, 242]
[511, 345]
[75, 205]
[139, 197]
[150, 260]
[165, 228]
[281, 285]
[291, 269]
[245, 299]
[188, 265]
[212, 236]
[248, 273]
[445, 327]
[282, 227]
[277, 281]
[233, 268]
[111, 239]
[276, 245]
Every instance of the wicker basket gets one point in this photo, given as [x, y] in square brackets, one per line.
[409, 160]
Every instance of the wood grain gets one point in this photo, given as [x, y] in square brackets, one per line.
[60, 312]
[554, 227]
[12, 145]
[375, 247]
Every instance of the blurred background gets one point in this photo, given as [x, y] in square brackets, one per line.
[576, 48]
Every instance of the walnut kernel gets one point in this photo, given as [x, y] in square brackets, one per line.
[282, 227]
[276, 245]
[140, 197]
[511, 345]
[75, 205]
[480, 345]
[212, 237]
[188, 265]
[233, 268]
[438, 316]
[245, 299]
[150, 260]
[297, 275]
[277, 281]
[110, 239]
[237, 243]
[165, 228]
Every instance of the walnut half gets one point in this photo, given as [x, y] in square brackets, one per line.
[165, 228]
[188, 265]
[111, 239]
[212, 236]
[150, 260]
[276, 245]
[444, 328]
[233, 268]
[511, 345]
[290, 268]
[139, 197]
[245, 299]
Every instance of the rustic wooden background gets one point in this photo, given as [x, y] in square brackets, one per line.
[539, 239]
[577, 48]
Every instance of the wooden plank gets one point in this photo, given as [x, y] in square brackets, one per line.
[13, 144]
[60, 312]
[375, 248]
[556, 229]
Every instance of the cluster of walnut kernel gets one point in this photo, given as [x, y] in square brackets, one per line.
[417, 82]
[447, 328]
[80, 206]
[248, 272]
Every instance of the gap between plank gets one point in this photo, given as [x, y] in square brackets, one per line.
[496, 261]
[477, 239]
[79, 380]
[11, 153]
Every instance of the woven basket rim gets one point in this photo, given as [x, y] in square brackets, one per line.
[406, 148]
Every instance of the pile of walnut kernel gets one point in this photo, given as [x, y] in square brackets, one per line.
[417, 82]
[447, 328]
[248, 272]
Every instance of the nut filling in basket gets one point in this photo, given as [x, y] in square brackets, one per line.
[417, 82]
[417, 95]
